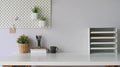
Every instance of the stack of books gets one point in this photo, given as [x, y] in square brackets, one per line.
[38, 50]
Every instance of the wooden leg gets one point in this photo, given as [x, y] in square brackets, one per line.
[7, 66]
[22, 66]
[112, 66]
[16, 66]
[107, 66]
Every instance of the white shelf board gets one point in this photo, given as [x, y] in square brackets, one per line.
[99, 32]
[102, 43]
[60, 59]
[102, 37]
[102, 48]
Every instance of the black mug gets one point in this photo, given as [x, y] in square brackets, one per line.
[53, 49]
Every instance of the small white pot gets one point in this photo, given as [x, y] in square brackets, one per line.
[41, 23]
[34, 16]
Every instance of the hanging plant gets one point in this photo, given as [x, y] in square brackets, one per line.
[35, 9]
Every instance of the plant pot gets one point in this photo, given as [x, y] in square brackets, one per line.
[23, 48]
[42, 23]
[34, 16]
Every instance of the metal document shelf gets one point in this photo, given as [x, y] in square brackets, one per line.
[103, 40]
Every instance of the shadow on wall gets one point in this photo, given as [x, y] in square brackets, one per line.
[118, 32]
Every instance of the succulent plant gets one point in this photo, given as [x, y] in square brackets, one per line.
[35, 9]
[23, 39]
[43, 18]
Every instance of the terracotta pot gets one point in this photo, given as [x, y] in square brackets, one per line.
[23, 48]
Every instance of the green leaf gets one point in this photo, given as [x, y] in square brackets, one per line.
[23, 39]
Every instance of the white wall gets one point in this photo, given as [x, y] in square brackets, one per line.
[70, 22]
[72, 18]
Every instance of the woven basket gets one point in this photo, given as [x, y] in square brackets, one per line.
[23, 48]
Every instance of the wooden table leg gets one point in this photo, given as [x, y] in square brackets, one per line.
[112, 66]
[16, 66]
[7, 66]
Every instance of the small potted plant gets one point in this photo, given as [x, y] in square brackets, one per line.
[42, 21]
[35, 11]
[23, 44]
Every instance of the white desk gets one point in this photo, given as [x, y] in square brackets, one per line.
[60, 59]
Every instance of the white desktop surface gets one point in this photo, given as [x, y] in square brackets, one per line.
[60, 59]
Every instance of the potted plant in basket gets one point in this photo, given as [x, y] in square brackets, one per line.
[23, 44]
[35, 11]
[42, 21]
